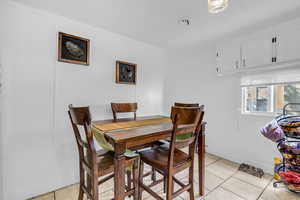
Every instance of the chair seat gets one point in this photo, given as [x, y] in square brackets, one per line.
[105, 160]
[158, 157]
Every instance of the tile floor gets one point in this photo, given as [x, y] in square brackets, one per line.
[223, 182]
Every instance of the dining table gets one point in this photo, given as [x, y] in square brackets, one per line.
[128, 133]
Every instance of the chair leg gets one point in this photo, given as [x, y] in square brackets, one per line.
[136, 179]
[165, 184]
[141, 172]
[153, 175]
[95, 188]
[191, 182]
[89, 183]
[169, 187]
[128, 173]
[80, 196]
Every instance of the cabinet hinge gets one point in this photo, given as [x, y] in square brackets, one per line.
[274, 40]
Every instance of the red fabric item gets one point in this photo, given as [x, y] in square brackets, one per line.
[290, 177]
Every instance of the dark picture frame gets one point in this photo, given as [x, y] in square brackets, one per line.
[126, 73]
[73, 49]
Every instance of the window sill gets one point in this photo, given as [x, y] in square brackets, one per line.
[264, 114]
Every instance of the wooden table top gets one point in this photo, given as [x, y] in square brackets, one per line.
[108, 121]
[138, 135]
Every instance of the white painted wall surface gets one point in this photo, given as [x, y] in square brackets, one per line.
[1, 116]
[3, 99]
[191, 77]
[39, 149]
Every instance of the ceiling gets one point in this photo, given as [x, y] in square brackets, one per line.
[156, 21]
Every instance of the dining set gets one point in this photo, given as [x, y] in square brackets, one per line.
[128, 144]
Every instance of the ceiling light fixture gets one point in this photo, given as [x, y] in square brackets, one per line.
[216, 6]
[184, 21]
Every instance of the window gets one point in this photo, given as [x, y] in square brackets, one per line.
[269, 98]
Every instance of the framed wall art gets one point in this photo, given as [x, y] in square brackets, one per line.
[73, 49]
[125, 73]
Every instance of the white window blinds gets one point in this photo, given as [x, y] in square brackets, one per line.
[271, 77]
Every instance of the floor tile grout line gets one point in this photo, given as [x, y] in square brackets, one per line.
[250, 183]
[233, 193]
[265, 189]
[220, 185]
[219, 176]
[213, 162]
[232, 176]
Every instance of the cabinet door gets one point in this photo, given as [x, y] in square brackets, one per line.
[257, 50]
[228, 57]
[288, 47]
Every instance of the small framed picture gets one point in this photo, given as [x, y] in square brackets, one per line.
[125, 73]
[73, 49]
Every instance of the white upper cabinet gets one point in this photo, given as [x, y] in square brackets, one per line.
[257, 49]
[228, 57]
[288, 47]
[275, 47]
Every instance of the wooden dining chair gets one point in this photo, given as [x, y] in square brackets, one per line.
[124, 108]
[95, 164]
[170, 160]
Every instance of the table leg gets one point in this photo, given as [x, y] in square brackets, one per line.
[201, 159]
[119, 165]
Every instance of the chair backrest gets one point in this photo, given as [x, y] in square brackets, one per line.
[81, 119]
[185, 120]
[186, 104]
[123, 108]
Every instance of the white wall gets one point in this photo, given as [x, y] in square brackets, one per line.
[3, 101]
[191, 77]
[39, 149]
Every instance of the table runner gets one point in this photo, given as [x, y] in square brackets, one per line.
[99, 130]
[131, 124]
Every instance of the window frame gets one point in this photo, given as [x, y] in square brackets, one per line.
[273, 99]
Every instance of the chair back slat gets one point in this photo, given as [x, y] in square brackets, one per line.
[83, 144]
[80, 115]
[123, 108]
[185, 142]
[185, 116]
[186, 104]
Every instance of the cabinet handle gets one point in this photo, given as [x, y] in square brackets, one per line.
[244, 62]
